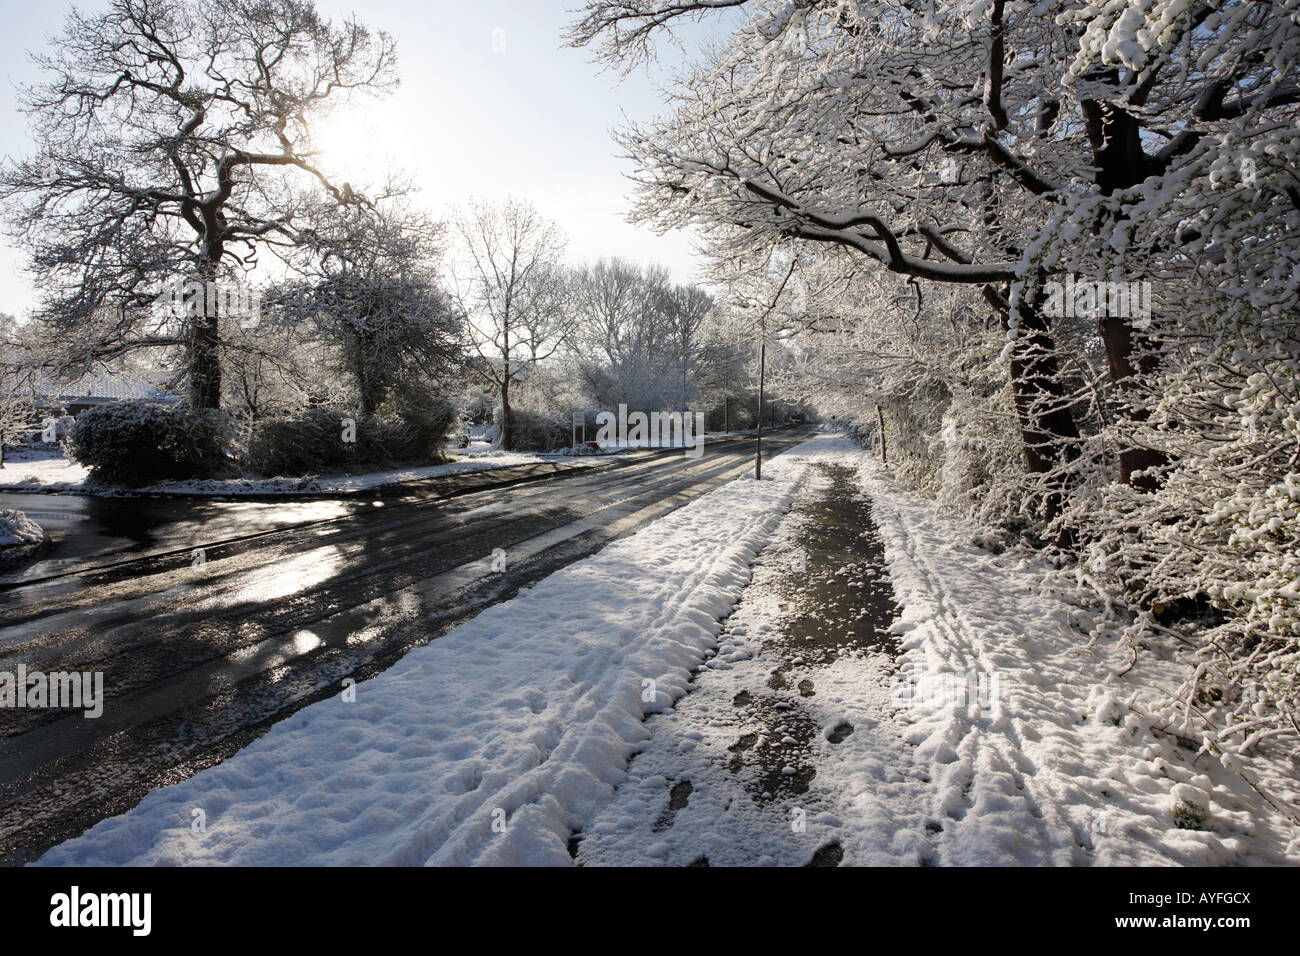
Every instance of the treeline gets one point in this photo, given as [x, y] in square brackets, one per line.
[390, 333]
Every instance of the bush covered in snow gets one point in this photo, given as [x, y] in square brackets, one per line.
[419, 426]
[18, 529]
[136, 443]
[314, 441]
[322, 440]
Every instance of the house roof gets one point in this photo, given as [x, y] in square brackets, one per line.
[99, 386]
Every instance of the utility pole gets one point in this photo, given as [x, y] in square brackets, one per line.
[762, 364]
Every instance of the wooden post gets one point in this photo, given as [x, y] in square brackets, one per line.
[880, 416]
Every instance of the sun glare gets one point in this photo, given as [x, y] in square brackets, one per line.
[354, 144]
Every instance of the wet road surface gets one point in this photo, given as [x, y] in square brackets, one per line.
[212, 620]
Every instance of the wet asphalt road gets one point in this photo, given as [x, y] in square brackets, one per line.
[212, 620]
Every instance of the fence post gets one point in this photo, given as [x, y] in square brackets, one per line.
[880, 416]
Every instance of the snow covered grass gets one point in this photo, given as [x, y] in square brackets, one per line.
[496, 741]
[51, 472]
[31, 470]
[1067, 769]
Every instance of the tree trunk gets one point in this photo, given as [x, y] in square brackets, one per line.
[1118, 336]
[507, 417]
[205, 339]
[205, 362]
[1116, 139]
[880, 416]
[1047, 427]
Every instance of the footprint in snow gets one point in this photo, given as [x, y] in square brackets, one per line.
[678, 797]
[829, 855]
[839, 732]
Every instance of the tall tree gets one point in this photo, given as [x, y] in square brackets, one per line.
[689, 308]
[623, 313]
[371, 294]
[168, 131]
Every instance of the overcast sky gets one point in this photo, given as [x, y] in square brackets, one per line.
[490, 104]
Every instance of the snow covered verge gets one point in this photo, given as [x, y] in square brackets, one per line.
[998, 735]
[493, 743]
[1069, 767]
[16, 529]
[29, 470]
[56, 474]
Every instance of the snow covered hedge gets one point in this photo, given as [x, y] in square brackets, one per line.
[1212, 553]
[535, 430]
[328, 439]
[137, 443]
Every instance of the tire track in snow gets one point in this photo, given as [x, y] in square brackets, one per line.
[595, 708]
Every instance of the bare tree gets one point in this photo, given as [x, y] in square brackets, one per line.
[723, 370]
[617, 306]
[689, 307]
[509, 283]
[168, 129]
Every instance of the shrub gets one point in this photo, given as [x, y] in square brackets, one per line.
[536, 431]
[136, 443]
[423, 421]
[318, 440]
[309, 443]
[18, 529]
